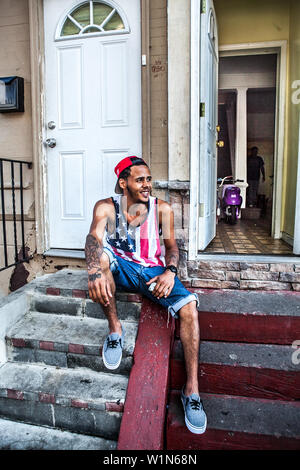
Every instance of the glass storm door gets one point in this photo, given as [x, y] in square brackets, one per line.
[93, 107]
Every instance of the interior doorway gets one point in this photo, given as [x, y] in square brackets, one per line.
[247, 111]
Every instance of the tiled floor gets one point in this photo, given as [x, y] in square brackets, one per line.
[247, 236]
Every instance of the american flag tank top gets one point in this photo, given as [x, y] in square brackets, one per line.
[138, 244]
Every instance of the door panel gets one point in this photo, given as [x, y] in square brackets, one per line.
[72, 189]
[70, 87]
[114, 84]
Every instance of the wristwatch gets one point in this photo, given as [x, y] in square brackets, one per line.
[172, 268]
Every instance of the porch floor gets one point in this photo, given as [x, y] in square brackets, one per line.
[247, 237]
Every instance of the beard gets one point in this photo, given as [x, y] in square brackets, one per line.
[136, 195]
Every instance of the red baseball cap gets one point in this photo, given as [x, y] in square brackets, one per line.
[126, 163]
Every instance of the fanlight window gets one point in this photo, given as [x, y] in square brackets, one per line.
[92, 17]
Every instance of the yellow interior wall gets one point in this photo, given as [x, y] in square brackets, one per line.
[242, 21]
[293, 107]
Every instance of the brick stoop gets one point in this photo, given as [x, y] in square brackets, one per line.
[249, 382]
[54, 376]
[76, 400]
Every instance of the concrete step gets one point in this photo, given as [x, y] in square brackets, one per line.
[75, 303]
[236, 423]
[248, 316]
[21, 436]
[78, 400]
[253, 370]
[69, 282]
[66, 341]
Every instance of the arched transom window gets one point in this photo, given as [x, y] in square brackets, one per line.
[92, 17]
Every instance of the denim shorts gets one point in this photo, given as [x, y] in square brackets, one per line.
[132, 277]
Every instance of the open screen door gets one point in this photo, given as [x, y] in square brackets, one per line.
[208, 123]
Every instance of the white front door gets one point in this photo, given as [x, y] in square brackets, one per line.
[208, 125]
[93, 98]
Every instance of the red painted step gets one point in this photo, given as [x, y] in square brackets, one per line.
[250, 316]
[253, 370]
[144, 414]
[236, 423]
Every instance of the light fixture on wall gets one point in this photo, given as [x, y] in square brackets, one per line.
[11, 94]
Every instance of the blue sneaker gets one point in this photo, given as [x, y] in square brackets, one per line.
[195, 417]
[112, 350]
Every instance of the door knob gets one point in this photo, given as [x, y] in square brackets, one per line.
[51, 143]
[220, 143]
[218, 128]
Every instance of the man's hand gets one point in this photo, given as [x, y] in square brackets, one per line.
[164, 284]
[99, 287]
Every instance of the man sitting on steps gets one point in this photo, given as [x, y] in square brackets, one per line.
[123, 252]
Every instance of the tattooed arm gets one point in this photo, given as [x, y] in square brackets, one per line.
[172, 256]
[165, 282]
[93, 252]
[99, 288]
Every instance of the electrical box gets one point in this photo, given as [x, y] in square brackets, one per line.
[11, 94]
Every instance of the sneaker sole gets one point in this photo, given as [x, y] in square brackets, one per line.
[111, 366]
[191, 427]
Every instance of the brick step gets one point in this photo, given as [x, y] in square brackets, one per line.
[248, 316]
[21, 436]
[71, 282]
[78, 400]
[236, 423]
[75, 303]
[252, 370]
[66, 341]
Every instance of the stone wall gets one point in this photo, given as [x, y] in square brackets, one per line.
[241, 275]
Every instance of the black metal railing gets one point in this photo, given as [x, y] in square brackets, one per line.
[20, 252]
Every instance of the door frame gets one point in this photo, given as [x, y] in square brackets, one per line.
[268, 47]
[296, 240]
[37, 57]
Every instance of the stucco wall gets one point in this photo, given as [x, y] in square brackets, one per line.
[15, 128]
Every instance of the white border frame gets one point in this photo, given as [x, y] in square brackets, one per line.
[267, 47]
[296, 244]
[37, 59]
[194, 129]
